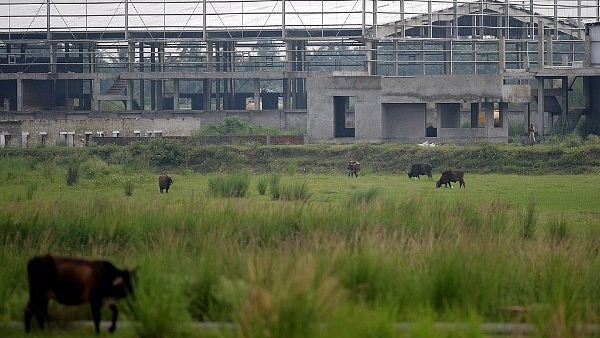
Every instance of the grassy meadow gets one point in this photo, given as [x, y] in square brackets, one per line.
[314, 254]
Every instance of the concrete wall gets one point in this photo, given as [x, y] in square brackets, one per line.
[395, 108]
[76, 127]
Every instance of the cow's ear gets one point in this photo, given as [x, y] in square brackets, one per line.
[118, 281]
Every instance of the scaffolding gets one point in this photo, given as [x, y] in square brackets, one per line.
[215, 54]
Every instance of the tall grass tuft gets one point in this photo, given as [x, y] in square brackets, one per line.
[72, 173]
[529, 220]
[274, 182]
[229, 185]
[128, 187]
[262, 184]
[363, 197]
[289, 300]
[160, 303]
[293, 191]
[558, 228]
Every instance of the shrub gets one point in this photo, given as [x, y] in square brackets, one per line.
[72, 173]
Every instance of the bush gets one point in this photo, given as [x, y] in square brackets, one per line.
[72, 173]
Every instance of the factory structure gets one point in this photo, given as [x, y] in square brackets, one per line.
[441, 71]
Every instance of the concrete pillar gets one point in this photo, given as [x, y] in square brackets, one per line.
[256, 94]
[565, 97]
[540, 106]
[19, 94]
[131, 56]
[540, 44]
[95, 94]
[129, 95]
[175, 94]
[53, 58]
[489, 116]
[549, 48]
[501, 54]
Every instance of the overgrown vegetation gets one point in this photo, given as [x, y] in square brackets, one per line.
[321, 255]
[234, 125]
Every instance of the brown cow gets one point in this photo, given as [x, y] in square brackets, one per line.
[451, 176]
[164, 182]
[420, 169]
[74, 281]
[353, 168]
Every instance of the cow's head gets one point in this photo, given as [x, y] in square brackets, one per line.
[438, 184]
[169, 181]
[123, 283]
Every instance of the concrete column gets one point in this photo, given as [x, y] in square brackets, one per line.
[565, 97]
[95, 94]
[53, 58]
[131, 56]
[501, 54]
[175, 94]
[129, 95]
[489, 117]
[19, 94]
[540, 106]
[540, 44]
[549, 47]
[256, 94]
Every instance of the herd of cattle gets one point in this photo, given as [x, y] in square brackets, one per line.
[417, 170]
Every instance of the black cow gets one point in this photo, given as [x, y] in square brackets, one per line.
[353, 168]
[74, 281]
[419, 169]
[164, 182]
[451, 176]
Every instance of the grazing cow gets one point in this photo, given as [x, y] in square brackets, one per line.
[419, 169]
[73, 281]
[451, 176]
[353, 168]
[164, 182]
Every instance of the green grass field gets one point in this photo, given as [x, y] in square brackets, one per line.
[350, 258]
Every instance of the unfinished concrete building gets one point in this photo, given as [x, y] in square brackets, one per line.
[347, 70]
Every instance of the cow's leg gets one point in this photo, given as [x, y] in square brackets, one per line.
[28, 315]
[96, 305]
[36, 307]
[115, 314]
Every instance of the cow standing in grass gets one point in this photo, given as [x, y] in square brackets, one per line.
[451, 176]
[420, 169]
[353, 168]
[74, 281]
[164, 182]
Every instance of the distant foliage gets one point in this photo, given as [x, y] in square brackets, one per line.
[166, 152]
[236, 126]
